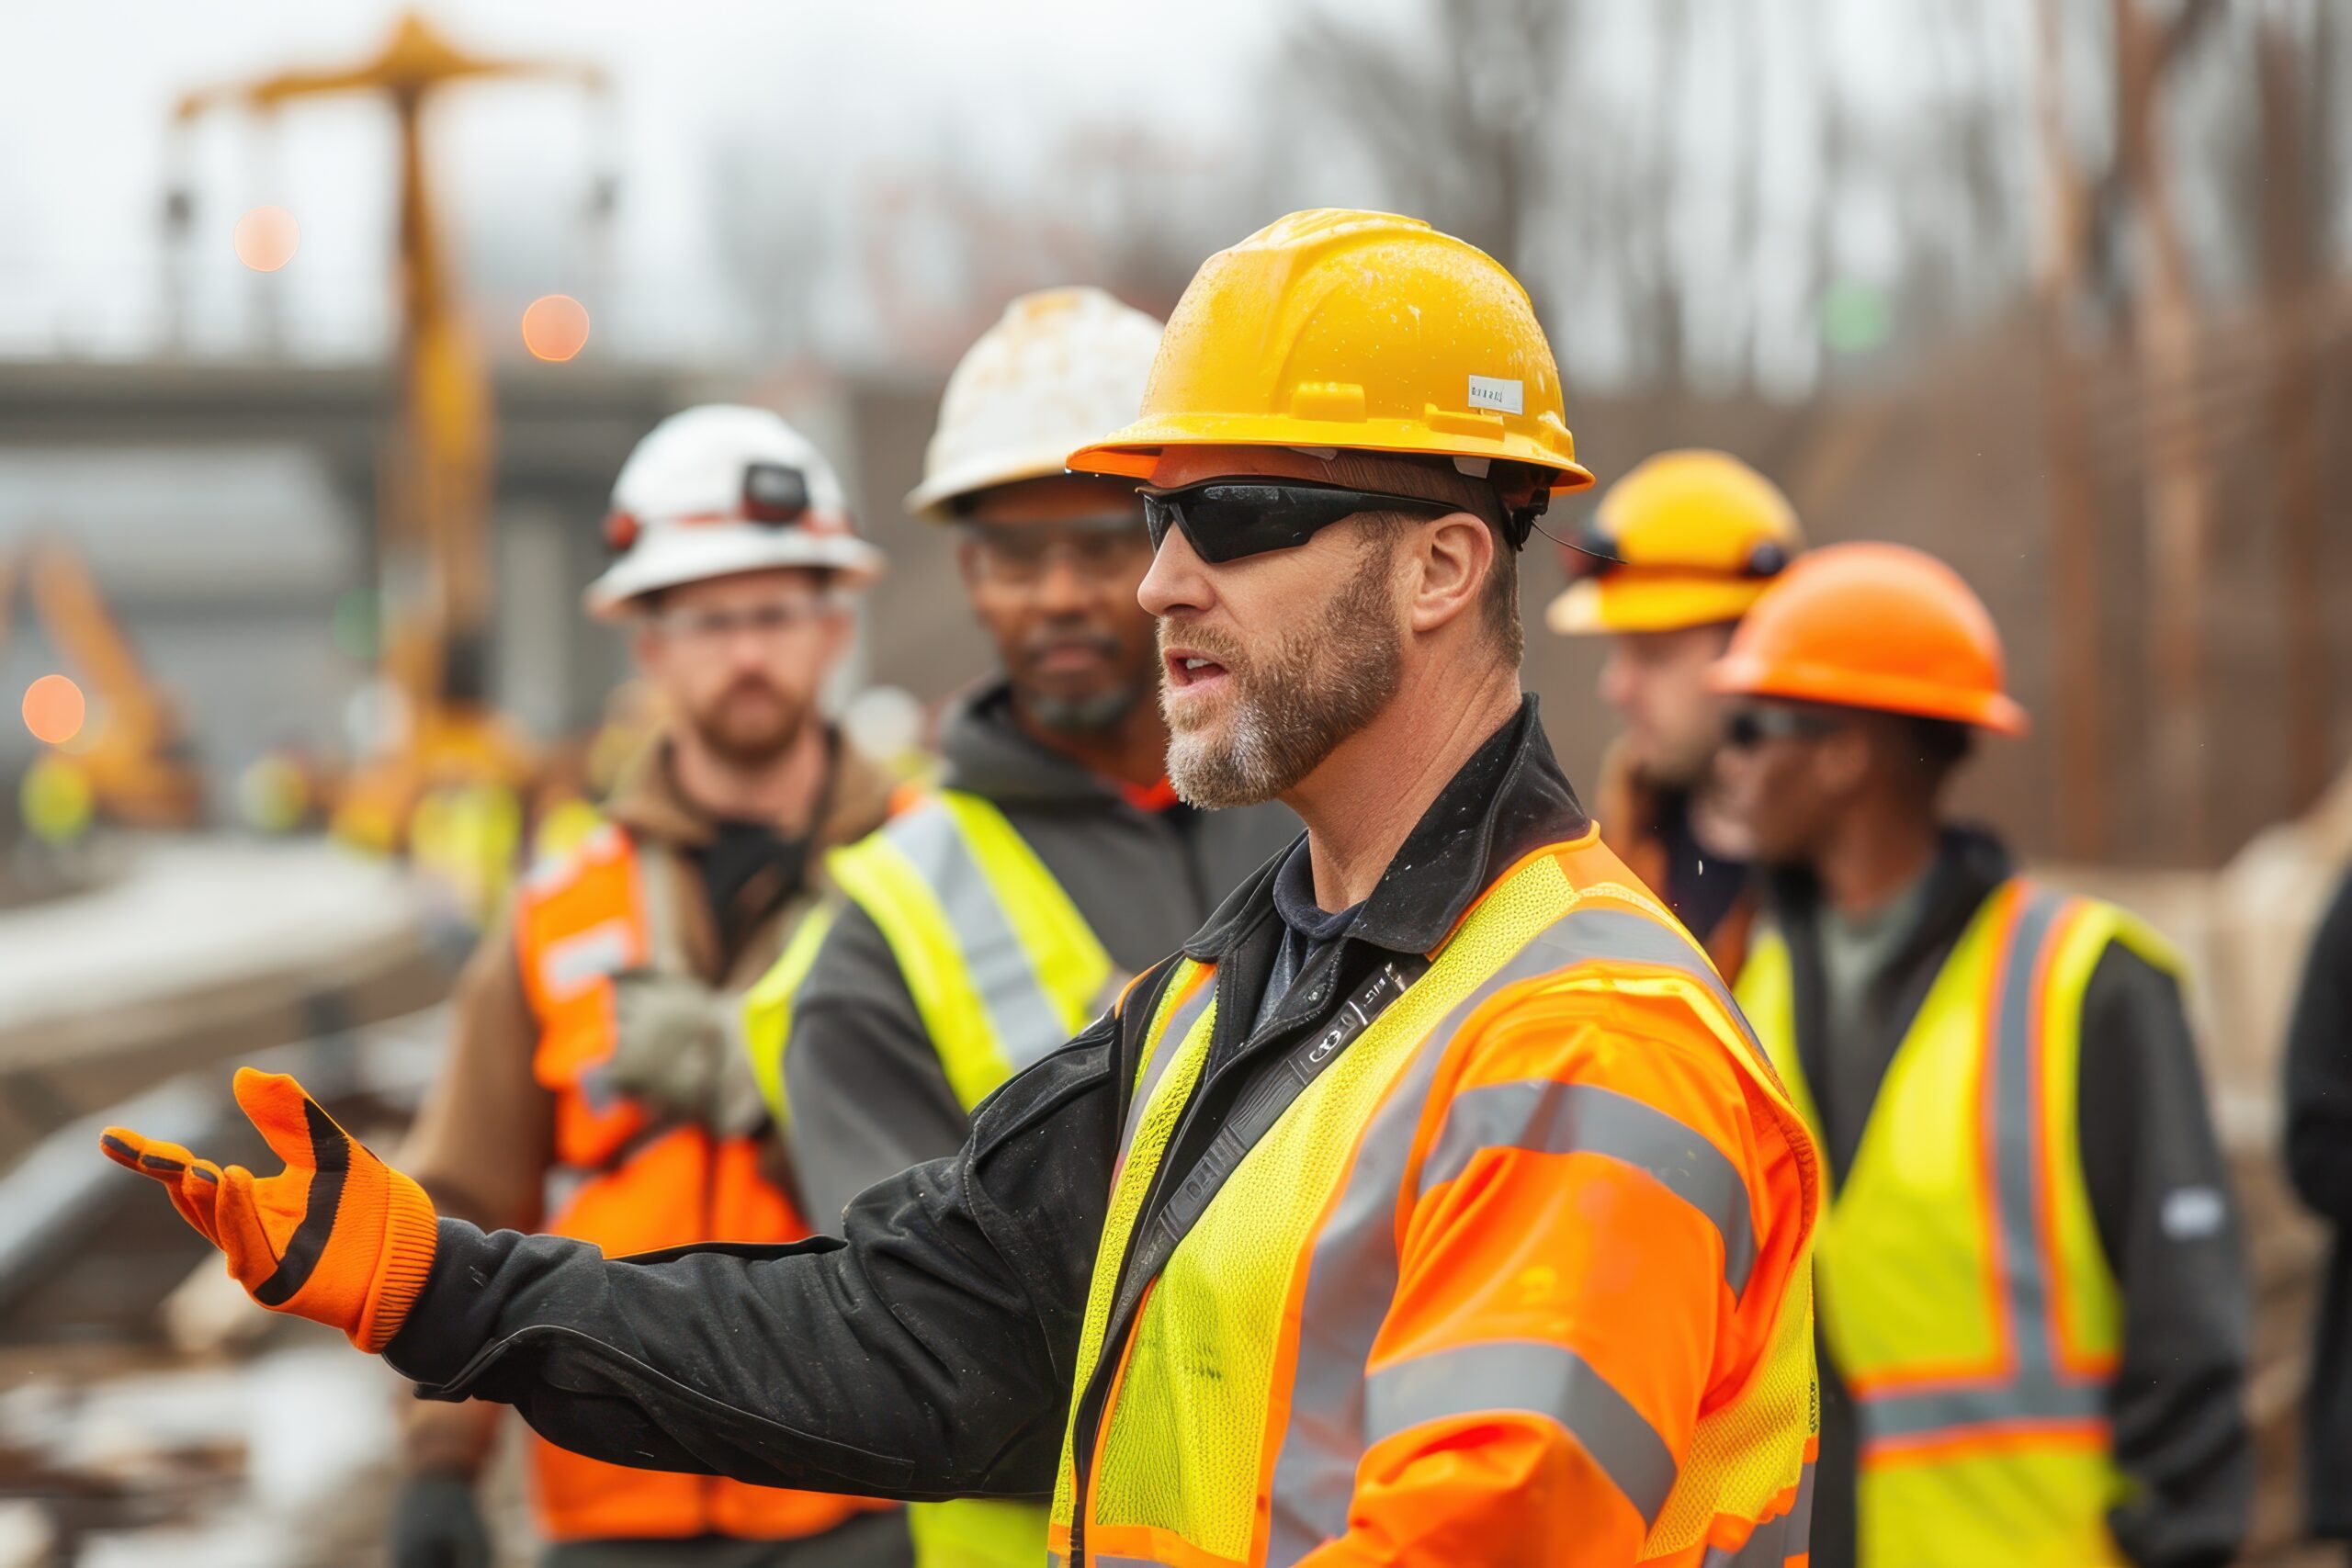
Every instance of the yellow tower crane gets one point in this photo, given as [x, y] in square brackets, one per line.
[434, 501]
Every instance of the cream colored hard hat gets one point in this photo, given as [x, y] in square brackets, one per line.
[1060, 368]
[723, 489]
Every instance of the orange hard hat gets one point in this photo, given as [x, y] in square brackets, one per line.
[1873, 626]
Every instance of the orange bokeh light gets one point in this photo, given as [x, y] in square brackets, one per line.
[54, 710]
[267, 238]
[555, 326]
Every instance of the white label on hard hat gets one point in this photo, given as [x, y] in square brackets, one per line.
[1495, 392]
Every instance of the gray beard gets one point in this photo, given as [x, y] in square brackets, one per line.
[1081, 716]
[1290, 711]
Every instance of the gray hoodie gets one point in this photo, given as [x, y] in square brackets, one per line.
[868, 1095]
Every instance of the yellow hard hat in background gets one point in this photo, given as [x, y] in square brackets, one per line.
[1363, 331]
[1062, 366]
[1687, 538]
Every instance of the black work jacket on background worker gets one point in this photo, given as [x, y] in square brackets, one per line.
[868, 1092]
[2178, 1429]
[934, 1352]
[2319, 1160]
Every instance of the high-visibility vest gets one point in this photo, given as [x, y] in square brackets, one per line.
[630, 1183]
[1004, 970]
[1244, 1397]
[1965, 1299]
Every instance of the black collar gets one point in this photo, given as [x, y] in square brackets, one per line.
[1509, 799]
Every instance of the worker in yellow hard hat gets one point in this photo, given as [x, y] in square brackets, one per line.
[2034, 1306]
[1430, 1205]
[1055, 862]
[1664, 569]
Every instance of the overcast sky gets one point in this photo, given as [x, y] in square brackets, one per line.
[86, 149]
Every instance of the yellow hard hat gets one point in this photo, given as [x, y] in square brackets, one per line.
[1363, 331]
[1688, 538]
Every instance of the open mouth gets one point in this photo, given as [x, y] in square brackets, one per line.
[1189, 670]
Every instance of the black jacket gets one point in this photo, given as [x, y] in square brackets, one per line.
[869, 1095]
[931, 1353]
[2319, 1161]
[2176, 1406]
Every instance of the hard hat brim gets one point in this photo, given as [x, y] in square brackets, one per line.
[933, 501]
[1133, 453]
[1632, 600]
[674, 557]
[1745, 675]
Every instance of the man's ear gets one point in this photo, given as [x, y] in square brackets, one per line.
[967, 557]
[1451, 557]
[644, 642]
[1843, 759]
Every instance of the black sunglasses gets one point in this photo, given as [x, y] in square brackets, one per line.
[1750, 728]
[1226, 519]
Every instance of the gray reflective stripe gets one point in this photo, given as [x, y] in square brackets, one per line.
[1903, 1417]
[1352, 1272]
[2012, 1138]
[1644, 940]
[1546, 1116]
[577, 962]
[1776, 1541]
[1539, 1379]
[1027, 1024]
[1172, 1039]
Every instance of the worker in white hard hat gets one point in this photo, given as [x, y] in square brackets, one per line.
[596, 1084]
[986, 924]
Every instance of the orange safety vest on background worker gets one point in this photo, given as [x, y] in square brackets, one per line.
[631, 1184]
[1292, 1349]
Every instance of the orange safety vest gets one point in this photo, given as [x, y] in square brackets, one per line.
[631, 1184]
[1301, 1356]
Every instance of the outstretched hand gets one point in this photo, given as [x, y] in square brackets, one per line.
[338, 1236]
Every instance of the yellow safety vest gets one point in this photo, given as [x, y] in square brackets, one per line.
[1964, 1296]
[1242, 1404]
[1004, 970]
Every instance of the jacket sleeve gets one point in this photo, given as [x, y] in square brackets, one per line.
[2160, 1197]
[1563, 1310]
[2319, 1069]
[927, 1355]
[867, 1094]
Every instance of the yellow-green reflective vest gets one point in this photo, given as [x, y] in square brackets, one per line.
[1004, 970]
[1963, 1292]
[1244, 1398]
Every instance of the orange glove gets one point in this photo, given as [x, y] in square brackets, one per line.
[338, 1236]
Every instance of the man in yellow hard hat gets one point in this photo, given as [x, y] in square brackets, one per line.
[2033, 1299]
[1430, 1206]
[1664, 569]
[990, 920]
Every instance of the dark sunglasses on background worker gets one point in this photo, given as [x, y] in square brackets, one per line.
[1595, 553]
[1750, 728]
[1225, 520]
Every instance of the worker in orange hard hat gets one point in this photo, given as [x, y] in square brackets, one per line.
[1673, 555]
[1430, 1205]
[2033, 1298]
[597, 1085]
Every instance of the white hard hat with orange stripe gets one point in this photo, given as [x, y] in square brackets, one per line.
[719, 489]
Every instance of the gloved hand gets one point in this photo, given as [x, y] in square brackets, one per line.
[338, 1236]
[678, 1046]
[438, 1523]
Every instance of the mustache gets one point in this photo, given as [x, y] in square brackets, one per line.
[1094, 642]
[1202, 640]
